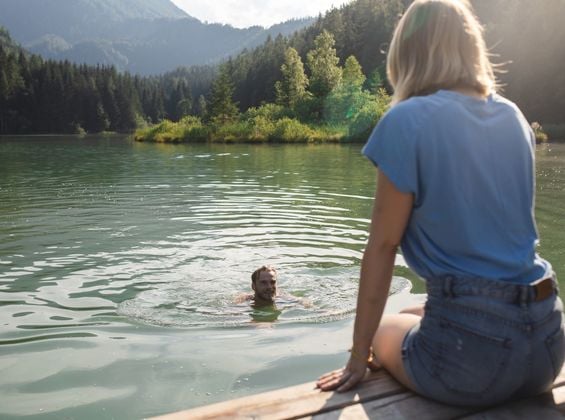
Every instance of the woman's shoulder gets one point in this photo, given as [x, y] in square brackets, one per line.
[412, 113]
[421, 106]
[448, 104]
[506, 103]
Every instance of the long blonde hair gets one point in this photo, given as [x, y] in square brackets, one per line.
[438, 44]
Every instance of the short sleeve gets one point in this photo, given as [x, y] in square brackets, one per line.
[392, 147]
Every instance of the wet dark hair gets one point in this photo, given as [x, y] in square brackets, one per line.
[257, 272]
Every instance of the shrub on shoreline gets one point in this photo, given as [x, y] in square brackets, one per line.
[539, 133]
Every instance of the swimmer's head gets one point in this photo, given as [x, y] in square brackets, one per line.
[264, 283]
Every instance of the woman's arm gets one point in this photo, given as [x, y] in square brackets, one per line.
[391, 212]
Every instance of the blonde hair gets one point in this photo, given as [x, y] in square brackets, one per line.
[438, 44]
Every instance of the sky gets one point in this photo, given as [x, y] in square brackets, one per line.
[245, 13]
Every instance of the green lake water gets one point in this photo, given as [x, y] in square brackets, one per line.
[120, 263]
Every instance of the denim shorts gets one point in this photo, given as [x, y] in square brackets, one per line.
[482, 342]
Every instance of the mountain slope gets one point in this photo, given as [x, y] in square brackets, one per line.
[141, 36]
[75, 20]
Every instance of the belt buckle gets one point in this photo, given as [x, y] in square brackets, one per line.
[544, 288]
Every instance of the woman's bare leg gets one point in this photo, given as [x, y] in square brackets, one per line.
[415, 310]
[387, 344]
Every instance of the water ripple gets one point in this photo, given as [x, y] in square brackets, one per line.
[176, 245]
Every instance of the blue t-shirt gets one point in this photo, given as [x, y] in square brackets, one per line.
[470, 164]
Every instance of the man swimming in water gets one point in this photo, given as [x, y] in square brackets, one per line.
[265, 289]
[264, 285]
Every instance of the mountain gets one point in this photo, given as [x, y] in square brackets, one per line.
[141, 36]
[77, 20]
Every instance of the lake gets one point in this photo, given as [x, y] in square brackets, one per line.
[120, 263]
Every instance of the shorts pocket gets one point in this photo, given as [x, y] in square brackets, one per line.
[471, 361]
[555, 344]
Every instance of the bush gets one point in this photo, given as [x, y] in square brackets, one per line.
[262, 128]
[140, 122]
[189, 128]
[75, 128]
[369, 115]
[154, 132]
[290, 130]
[541, 137]
[352, 118]
[231, 131]
[268, 111]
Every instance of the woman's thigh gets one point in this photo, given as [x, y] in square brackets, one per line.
[387, 344]
[415, 310]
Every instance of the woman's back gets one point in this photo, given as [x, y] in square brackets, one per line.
[456, 189]
[469, 164]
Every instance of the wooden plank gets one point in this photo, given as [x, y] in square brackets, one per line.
[404, 406]
[541, 407]
[409, 406]
[294, 402]
[379, 396]
[352, 412]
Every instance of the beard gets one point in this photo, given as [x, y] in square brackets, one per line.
[268, 296]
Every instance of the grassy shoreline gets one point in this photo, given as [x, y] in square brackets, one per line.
[255, 130]
[285, 130]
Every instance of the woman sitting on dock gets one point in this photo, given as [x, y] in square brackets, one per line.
[456, 191]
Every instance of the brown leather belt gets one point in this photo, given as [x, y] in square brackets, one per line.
[543, 289]
[451, 286]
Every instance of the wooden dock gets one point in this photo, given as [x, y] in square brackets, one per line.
[378, 397]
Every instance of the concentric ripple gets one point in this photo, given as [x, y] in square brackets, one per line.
[102, 231]
[183, 307]
[231, 228]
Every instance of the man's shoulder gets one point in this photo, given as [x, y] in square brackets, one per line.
[244, 297]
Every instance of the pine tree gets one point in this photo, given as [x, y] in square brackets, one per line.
[375, 82]
[353, 77]
[222, 106]
[292, 88]
[202, 107]
[323, 65]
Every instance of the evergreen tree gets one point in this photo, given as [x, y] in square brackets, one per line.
[180, 101]
[202, 109]
[156, 106]
[375, 82]
[292, 88]
[344, 103]
[323, 65]
[353, 77]
[222, 106]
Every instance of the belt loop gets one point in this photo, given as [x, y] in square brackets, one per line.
[523, 295]
[448, 286]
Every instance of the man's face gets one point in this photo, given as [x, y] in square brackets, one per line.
[265, 286]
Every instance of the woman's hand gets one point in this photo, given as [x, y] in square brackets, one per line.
[343, 379]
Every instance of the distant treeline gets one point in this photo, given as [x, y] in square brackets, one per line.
[45, 96]
[38, 96]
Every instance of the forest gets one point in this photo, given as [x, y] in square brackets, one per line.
[326, 80]
[331, 103]
[38, 96]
